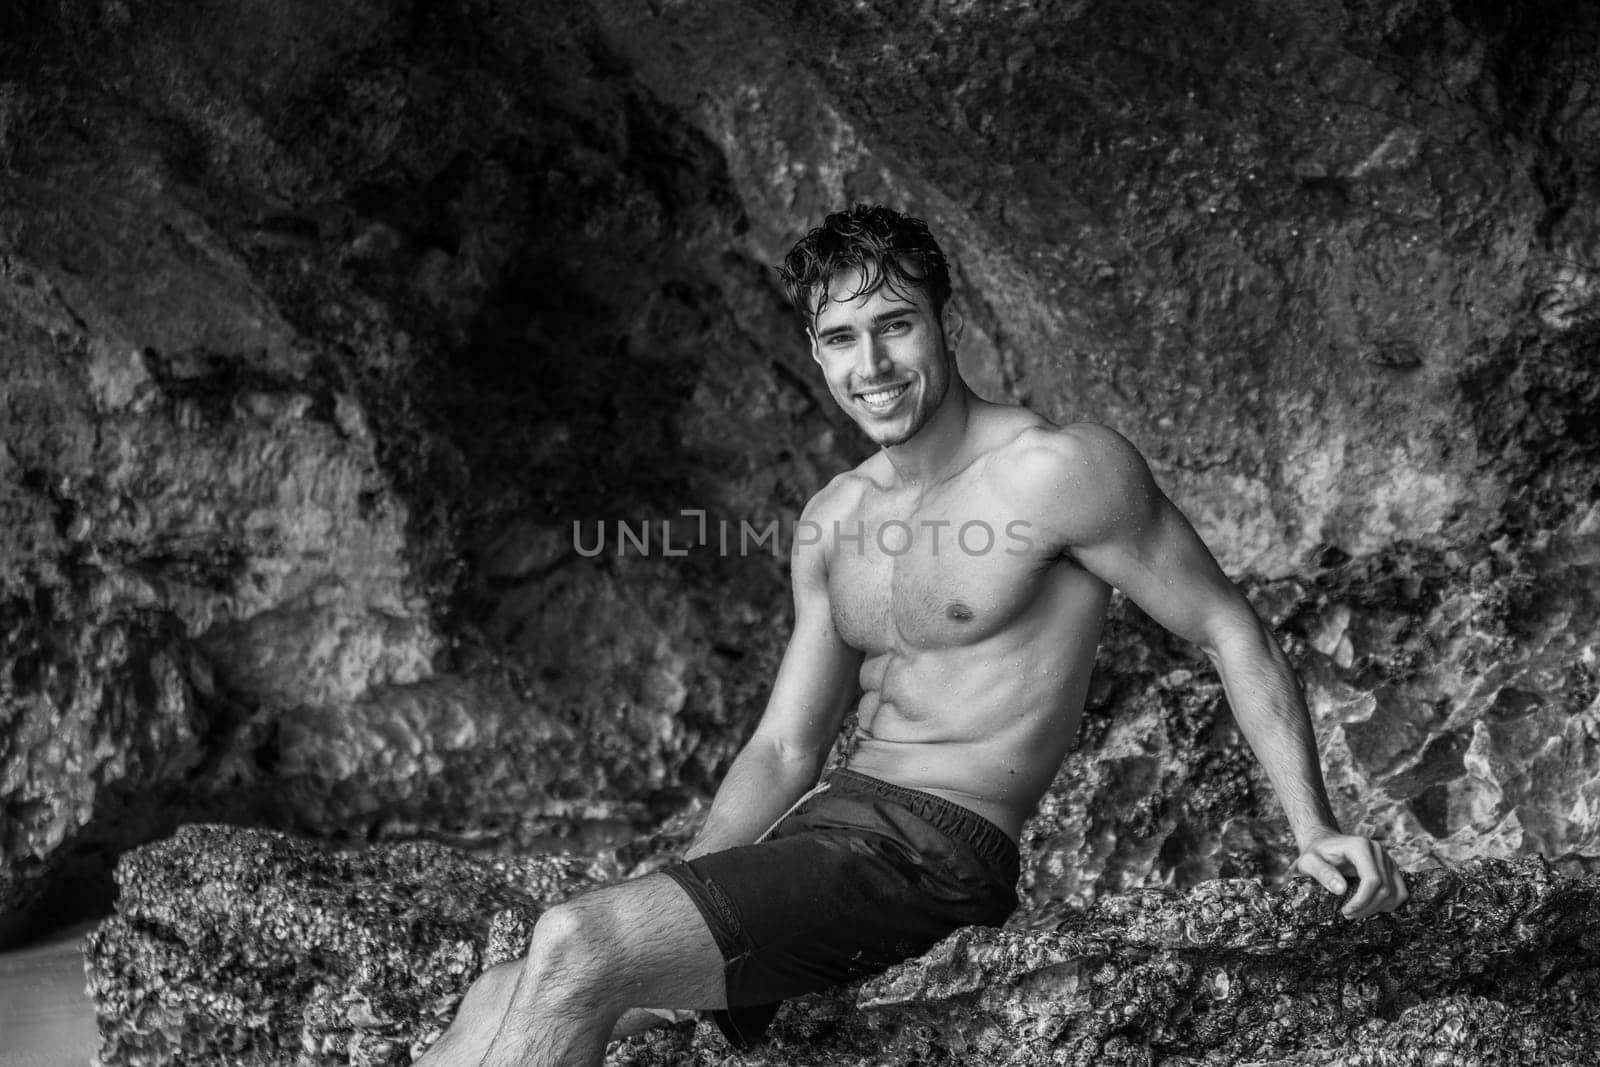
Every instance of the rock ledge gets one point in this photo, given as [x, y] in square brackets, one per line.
[252, 947]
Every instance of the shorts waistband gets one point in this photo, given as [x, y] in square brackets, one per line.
[990, 842]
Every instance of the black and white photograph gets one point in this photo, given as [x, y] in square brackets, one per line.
[799, 533]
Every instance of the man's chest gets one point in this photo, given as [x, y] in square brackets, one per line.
[942, 573]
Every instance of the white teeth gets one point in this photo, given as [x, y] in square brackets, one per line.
[883, 397]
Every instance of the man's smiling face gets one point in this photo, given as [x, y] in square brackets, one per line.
[884, 356]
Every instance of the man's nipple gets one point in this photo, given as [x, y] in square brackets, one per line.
[959, 612]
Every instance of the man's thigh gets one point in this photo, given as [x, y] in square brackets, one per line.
[845, 889]
[658, 949]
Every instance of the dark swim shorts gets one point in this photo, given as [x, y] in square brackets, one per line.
[859, 876]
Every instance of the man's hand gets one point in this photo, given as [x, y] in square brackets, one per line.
[1328, 859]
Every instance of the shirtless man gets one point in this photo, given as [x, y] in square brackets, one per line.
[951, 589]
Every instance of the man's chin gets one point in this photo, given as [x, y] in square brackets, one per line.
[887, 436]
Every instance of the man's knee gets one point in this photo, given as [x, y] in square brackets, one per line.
[566, 933]
[576, 938]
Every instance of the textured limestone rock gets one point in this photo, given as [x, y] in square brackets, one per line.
[310, 347]
[1162, 788]
[249, 947]
[1229, 973]
[190, 521]
[252, 947]
[1458, 694]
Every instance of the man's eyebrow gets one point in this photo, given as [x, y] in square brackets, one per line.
[877, 320]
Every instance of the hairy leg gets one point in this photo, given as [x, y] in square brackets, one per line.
[640, 943]
[477, 1019]
[638, 1020]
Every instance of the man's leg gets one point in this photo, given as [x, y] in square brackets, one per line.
[477, 1019]
[640, 943]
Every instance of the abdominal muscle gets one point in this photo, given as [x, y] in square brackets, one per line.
[983, 726]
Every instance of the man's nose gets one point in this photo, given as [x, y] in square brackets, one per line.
[874, 358]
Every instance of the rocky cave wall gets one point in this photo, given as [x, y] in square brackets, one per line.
[321, 325]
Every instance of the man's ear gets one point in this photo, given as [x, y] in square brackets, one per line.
[816, 351]
[953, 324]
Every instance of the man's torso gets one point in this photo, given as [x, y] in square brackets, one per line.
[977, 636]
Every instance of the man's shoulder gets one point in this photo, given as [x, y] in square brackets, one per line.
[840, 497]
[1084, 454]
[829, 508]
[1080, 483]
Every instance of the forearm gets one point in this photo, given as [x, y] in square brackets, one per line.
[1271, 711]
[763, 782]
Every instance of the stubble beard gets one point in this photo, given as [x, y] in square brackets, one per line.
[918, 421]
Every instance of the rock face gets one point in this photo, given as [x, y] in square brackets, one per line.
[399, 421]
[248, 947]
[311, 367]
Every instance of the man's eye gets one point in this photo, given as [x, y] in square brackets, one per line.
[898, 325]
[839, 340]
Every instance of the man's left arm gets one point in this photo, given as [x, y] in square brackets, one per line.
[1118, 524]
[1270, 708]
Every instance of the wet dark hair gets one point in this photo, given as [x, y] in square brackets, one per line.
[888, 247]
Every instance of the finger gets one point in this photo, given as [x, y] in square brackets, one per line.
[1396, 892]
[1373, 883]
[1324, 872]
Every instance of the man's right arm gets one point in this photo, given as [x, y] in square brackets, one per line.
[814, 688]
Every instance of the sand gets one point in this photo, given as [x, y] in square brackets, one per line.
[46, 1017]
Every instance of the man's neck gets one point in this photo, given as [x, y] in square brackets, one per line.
[941, 447]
